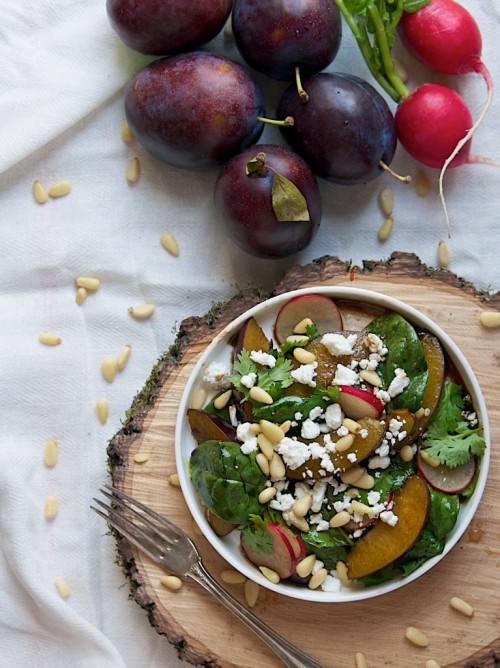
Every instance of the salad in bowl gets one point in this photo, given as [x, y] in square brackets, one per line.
[332, 444]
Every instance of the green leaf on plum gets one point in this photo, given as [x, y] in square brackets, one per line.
[289, 204]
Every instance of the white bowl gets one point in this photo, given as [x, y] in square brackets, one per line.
[219, 351]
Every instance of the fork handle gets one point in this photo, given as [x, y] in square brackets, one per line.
[288, 653]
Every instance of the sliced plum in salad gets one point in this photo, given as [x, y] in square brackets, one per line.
[341, 456]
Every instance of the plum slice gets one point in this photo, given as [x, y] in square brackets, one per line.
[277, 550]
[357, 403]
[446, 479]
[436, 365]
[320, 309]
[209, 427]
[251, 337]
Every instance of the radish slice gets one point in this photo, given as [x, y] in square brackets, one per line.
[443, 478]
[320, 309]
[357, 403]
[282, 558]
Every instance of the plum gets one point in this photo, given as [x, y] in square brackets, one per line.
[194, 110]
[275, 36]
[161, 27]
[245, 202]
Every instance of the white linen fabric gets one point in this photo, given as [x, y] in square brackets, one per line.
[61, 105]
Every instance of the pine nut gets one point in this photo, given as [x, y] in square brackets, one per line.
[361, 508]
[87, 282]
[401, 70]
[263, 463]
[51, 507]
[303, 356]
[254, 428]
[352, 493]
[350, 476]
[133, 171]
[432, 461]
[62, 587]
[301, 327]
[267, 494]
[317, 578]
[298, 522]
[302, 506]
[39, 193]
[421, 183]
[341, 569]
[141, 311]
[126, 133]
[223, 399]
[173, 479]
[305, 566]
[171, 582]
[102, 410]
[169, 243]
[406, 453]
[49, 339]
[251, 590]
[60, 189]
[384, 231]
[353, 426]
[365, 482]
[386, 201]
[360, 660]
[141, 458]
[490, 318]
[344, 443]
[277, 469]
[108, 369]
[273, 432]
[50, 453]
[460, 605]
[285, 427]
[370, 377]
[432, 664]
[80, 295]
[265, 446]
[260, 395]
[443, 254]
[340, 519]
[198, 399]
[269, 574]
[123, 357]
[230, 576]
[416, 636]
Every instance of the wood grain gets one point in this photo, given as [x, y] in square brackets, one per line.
[206, 634]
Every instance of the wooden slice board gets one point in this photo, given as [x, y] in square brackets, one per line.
[208, 635]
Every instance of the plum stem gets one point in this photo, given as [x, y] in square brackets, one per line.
[286, 122]
[298, 82]
[386, 168]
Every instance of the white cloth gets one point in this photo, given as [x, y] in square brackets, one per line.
[61, 106]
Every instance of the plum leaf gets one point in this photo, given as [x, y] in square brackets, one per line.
[289, 204]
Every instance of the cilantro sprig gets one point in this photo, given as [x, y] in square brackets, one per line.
[449, 437]
[311, 333]
[272, 379]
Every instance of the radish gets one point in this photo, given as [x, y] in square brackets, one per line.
[357, 403]
[445, 479]
[432, 122]
[321, 310]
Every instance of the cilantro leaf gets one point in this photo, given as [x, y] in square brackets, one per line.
[243, 366]
[256, 537]
[448, 413]
[272, 379]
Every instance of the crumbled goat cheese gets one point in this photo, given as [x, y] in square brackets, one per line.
[373, 497]
[373, 343]
[395, 426]
[216, 374]
[379, 462]
[338, 344]
[282, 502]
[345, 376]
[342, 431]
[305, 374]
[399, 383]
[351, 456]
[402, 435]
[249, 380]
[388, 517]
[294, 452]
[318, 494]
[310, 429]
[333, 416]
[382, 449]
[331, 584]
[265, 359]
[318, 564]
[384, 396]
[248, 438]
[363, 433]
[316, 412]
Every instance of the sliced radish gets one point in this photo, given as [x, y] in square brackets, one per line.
[320, 309]
[281, 558]
[357, 403]
[299, 547]
[446, 479]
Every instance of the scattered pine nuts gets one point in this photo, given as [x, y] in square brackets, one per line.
[298, 522]
[416, 636]
[303, 505]
[260, 395]
[351, 476]
[360, 660]
[421, 183]
[273, 432]
[444, 258]
[60, 189]
[460, 605]
[263, 463]
[361, 508]
[169, 243]
[62, 587]
[317, 578]
[432, 664]
[341, 569]
[432, 461]
[198, 399]
[490, 318]
[269, 574]
[50, 453]
[406, 453]
[123, 357]
[230, 576]
[301, 327]
[305, 566]
[386, 201]
[39, 192]
[265, 445]
[141, 458]
[174, 479]
[102, 410]
[49, 339]
[223, 399]
[126, 133]
[171, 582]
[370, 377]
[87, 282]
[141, 311]
[344, 443]
[51, 507]
[297, 338]
[353, 426]
[365, 482]
[108, 369]
[80, 296]
[384, 231]
[277, 469]
[267, 494]
[251, 592]
[303, 356]
[340, 519]
[133, 171]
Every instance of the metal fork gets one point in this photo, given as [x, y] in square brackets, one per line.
[167, 545]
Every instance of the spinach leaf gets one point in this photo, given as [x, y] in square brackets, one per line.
[285, 407]
[405, 352]
[428, 545]
[227, 481]
[329, 546]
[443, 512]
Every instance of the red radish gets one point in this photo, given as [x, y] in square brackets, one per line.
[282, 558]
[357, 403]
[445, 479]
[322, 310]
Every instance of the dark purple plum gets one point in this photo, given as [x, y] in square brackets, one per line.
[194, 110]
[245, 204]
[161, 27]
[345, 132]
[275, 36]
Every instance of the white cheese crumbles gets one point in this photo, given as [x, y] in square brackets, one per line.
[249, 380]
[264, 359]
[216, 375]
[339, 344]
[248, 438]
[305, 374]
[345, 376]
[398, 384]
